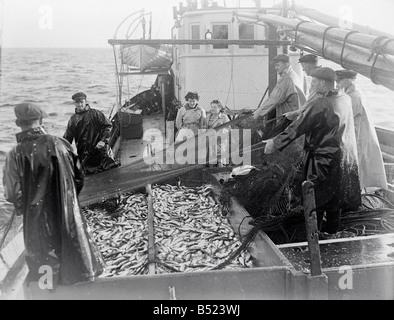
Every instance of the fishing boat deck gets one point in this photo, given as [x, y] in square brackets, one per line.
[377, 249]
[131, 150]
[273, 266]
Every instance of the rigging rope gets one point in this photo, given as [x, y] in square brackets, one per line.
[344, 44]
[162, 17]
[324, 40]
[248, 239]
[231, 84]
[296, 31]
[376, 49]
[7, 228]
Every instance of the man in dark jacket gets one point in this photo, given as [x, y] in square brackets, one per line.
[91, 131]
[330, 152]
[42, 178]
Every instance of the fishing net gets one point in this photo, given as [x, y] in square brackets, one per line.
[271, 189]
[271, 192]
[10, 225]
[151, 101]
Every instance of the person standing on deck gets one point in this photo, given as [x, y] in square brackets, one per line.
[330, 151]
[191, 116]
[309, 63]
[91, 131]
[42, 178]
[287, 95]
[216, 118]
[371, 167]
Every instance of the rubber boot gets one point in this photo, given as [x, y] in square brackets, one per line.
[333, 221]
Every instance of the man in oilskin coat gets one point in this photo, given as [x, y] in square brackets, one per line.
[288, 94]
[42, 178]
[91, 131]
[330, 152]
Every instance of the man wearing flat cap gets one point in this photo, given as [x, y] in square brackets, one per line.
[330, 153]
[309, 63]
[371, 166]
[287, 95]
[91, 131]
[42, 178]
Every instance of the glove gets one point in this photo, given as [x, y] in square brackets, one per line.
[292, 115]
[100, 145]
[269, 147]
[255, 116]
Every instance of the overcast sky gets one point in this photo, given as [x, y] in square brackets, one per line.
[90, 23]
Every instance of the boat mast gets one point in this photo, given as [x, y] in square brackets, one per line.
[119, 70]
[272, 53]
[285, 12]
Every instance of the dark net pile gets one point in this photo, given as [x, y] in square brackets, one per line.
[272, 193]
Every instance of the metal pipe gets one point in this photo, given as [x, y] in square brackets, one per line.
[125, 19]
[272, 74]
[199, 41]
[358, 39]
[354, 58]
[350, 56]
[272, 52]
[333, 21]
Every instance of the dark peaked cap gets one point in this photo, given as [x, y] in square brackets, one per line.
[345, 74]
[79, 96]
[27, 111]
[308, 58]
[281, 57]
[324, 74]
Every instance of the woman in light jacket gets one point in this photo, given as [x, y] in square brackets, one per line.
[191, 116]
[216, 118]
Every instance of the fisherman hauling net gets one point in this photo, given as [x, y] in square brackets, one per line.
[271, 192]
[272, 186]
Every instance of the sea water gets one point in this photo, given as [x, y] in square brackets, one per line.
[51, 76]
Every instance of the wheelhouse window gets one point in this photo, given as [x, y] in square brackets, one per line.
[195, 29]
[246, 32]
[220, 31]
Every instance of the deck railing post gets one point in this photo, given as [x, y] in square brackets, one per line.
[151, 234]
[312, 232]
[317, 282]
[163, 100]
